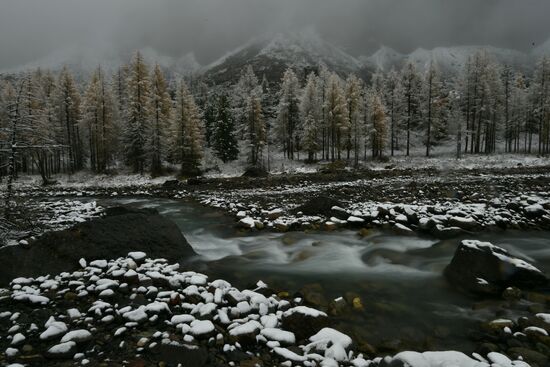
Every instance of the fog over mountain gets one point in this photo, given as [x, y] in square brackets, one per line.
[32, 31]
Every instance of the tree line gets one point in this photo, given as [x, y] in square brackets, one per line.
[50, 123]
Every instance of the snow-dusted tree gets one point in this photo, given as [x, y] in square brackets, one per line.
[288, 114]
[433, 104]
[376, 117]
[137, 116]
[483, 102]
[161, 120]
[224, 140]
[355, 106]
[412, 84]
[394, 101]
[187, 132]
[246, 86]
[455, 119]
[508, 81]
[25, 129]
[337, 116]
[541, 97]
[310, 113]
[119, 83]
[378, 82]
[68, 111]
[322, 85]
[256, 131]
[518, 111]
[98, 118]
[248, 110]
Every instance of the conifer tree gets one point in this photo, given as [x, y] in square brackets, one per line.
[354, 100]
[541, 98]
[310, 112]
[288, 114]
[411, 94]
[68, 110]
[394, 100]
[98, 116]
[161, 116]
[137, 115]
[432, 104]
[248, 96]
[378, 123]
[224, 140]
[187, 145]
[337, 116]
[256, 130]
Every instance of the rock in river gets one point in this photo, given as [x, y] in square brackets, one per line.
[481, 267]
[121, 231]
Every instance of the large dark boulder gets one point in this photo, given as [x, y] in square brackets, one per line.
[120, 231]
[480, 267]
[321, 205]
[255, 172]
[304, 322]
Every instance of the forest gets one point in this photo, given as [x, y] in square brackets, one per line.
[51, 123]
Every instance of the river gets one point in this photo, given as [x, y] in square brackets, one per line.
[406, 302]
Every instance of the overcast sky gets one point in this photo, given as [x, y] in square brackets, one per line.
[31, 29]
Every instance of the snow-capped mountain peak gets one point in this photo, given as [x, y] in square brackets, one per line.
[384, 58]
[271, 54]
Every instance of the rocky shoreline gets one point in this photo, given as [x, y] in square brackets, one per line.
[137, 311]
[442, 204]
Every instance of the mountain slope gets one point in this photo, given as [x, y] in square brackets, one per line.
[82, 61]
[271, 56]
[449, 59]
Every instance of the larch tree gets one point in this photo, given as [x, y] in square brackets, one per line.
[508, 81]
[187, 132]
[310, 114]
[394, 101]
[322, 85]
[247, 85]
[376, 117]
[288, 114]
[354, 100]
[224, 139]
[25, 130]
[412, 84]
[161, 120]
[541, 98]
[98, 117]
[256, 130]
[337, 116]
[68, 111]
[432, 103]
[518, 111]
[137, 115]
[248, 110]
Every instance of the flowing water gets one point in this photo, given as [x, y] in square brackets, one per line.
[407, 304]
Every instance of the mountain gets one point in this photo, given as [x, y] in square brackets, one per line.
[542, 50]
[272, 55]
[450, 60]
[83, 61]
[383, 59]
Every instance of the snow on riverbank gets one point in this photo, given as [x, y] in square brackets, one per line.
[147, 307]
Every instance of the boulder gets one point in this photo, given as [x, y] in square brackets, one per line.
[255, 172]
[186, 355]
[321, 205]
[120, 231]
[481, 267]
[304, 321]
[173, 184]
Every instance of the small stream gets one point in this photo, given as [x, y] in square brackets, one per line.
[407, 304]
